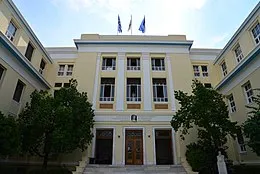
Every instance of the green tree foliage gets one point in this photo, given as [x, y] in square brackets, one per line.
[252, 125]
[60, 124]
[206, 110]
[9, 136]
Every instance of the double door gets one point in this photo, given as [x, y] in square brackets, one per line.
[134, 147]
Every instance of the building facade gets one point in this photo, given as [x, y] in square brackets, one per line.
[130, 80]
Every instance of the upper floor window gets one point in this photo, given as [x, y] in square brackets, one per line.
[256, 33]
[133, 64]
[224, 68]
[18, 91]
[231, 103]
[2, 70]
[207, 85]
[29, 51]
[158, 64]
[11, 31]
[248, 92]
[160, 90]
[204, 70]
[107, 89]
[196, 70]
[238, 53]
[109, 64]
[65, 70]
[241, 141]
[133, 89]
[42, 66]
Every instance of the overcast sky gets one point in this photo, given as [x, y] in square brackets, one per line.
[210, 23]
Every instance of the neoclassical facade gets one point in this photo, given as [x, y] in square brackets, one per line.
[130, 80]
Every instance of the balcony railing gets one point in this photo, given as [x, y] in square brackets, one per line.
[133, 68]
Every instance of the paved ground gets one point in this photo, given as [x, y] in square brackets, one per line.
[149, 169]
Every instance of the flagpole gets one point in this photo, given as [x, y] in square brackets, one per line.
[131, 25]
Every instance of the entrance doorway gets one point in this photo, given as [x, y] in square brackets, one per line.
[134, 147]
[163, 146]
[104, 146]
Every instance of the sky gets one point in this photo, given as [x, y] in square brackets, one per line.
[209, 23]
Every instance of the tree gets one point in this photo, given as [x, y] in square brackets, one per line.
[60, 124]
[252, 126]
[206, 110]
[9, 136]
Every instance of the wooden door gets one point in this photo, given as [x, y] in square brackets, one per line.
[134, 147]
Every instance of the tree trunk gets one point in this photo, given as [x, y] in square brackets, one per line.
[45, 161]
[46, 151]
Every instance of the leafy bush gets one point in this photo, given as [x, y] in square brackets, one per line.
[50, 171]
[241, 169]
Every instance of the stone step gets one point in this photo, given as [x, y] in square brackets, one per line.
[151, 169]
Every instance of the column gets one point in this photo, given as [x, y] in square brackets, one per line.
[120, 82]
[170, 81]
[146, 64]
[94, 101]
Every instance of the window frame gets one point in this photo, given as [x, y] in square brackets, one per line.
[249, 99]
[21, 93]
[31, 55]
[41, 70]
[196, 70]
[65, 71]
[11, 37]
[130, 67]
[238, 53]
[105, 67]
[138, 86]
[160, 67]
[204, 73]
[2, 75]
[241, 146]
[224, 71]
[257, 38]
[165, 92]
[103, 86]
[232, 104]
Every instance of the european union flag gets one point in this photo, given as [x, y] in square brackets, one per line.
[142, 26]
[119, 27]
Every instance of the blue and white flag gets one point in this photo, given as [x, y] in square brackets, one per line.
[119, 27]
[142, 26]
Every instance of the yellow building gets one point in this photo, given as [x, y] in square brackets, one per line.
[130, 81]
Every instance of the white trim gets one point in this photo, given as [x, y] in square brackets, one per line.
[94, 100]
[254, 65]
[64, 56]
[125, 118]
[120, 82]
[94, 141]
[146, 63]
[134, 49]
[144, 147]
[173, 143]
[171, 88]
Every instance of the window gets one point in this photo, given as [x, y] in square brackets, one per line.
[196, 70]
[158, 64]
[241, 141]
[232, 105]
[66, 85]
[109, 64]
[65, 70]
[238, 53]
[61, 70]
[133, 89]
[224, 68]
[69, 70]
[42, 66]
[207, 85]
[18, 91]
[58, 85]
[11, 31]
[29, 51]
[2, 70]
[160, 90]
[248, 92]
[256, 33]
[204, 71]
[107, 89]
[133, 64]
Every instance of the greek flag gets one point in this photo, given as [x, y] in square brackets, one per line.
[142, 26]
[119, 27]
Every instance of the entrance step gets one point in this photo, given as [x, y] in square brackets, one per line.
[149, 169]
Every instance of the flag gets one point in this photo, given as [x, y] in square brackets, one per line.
[130, 24]
[142, 26]
[119, 27]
